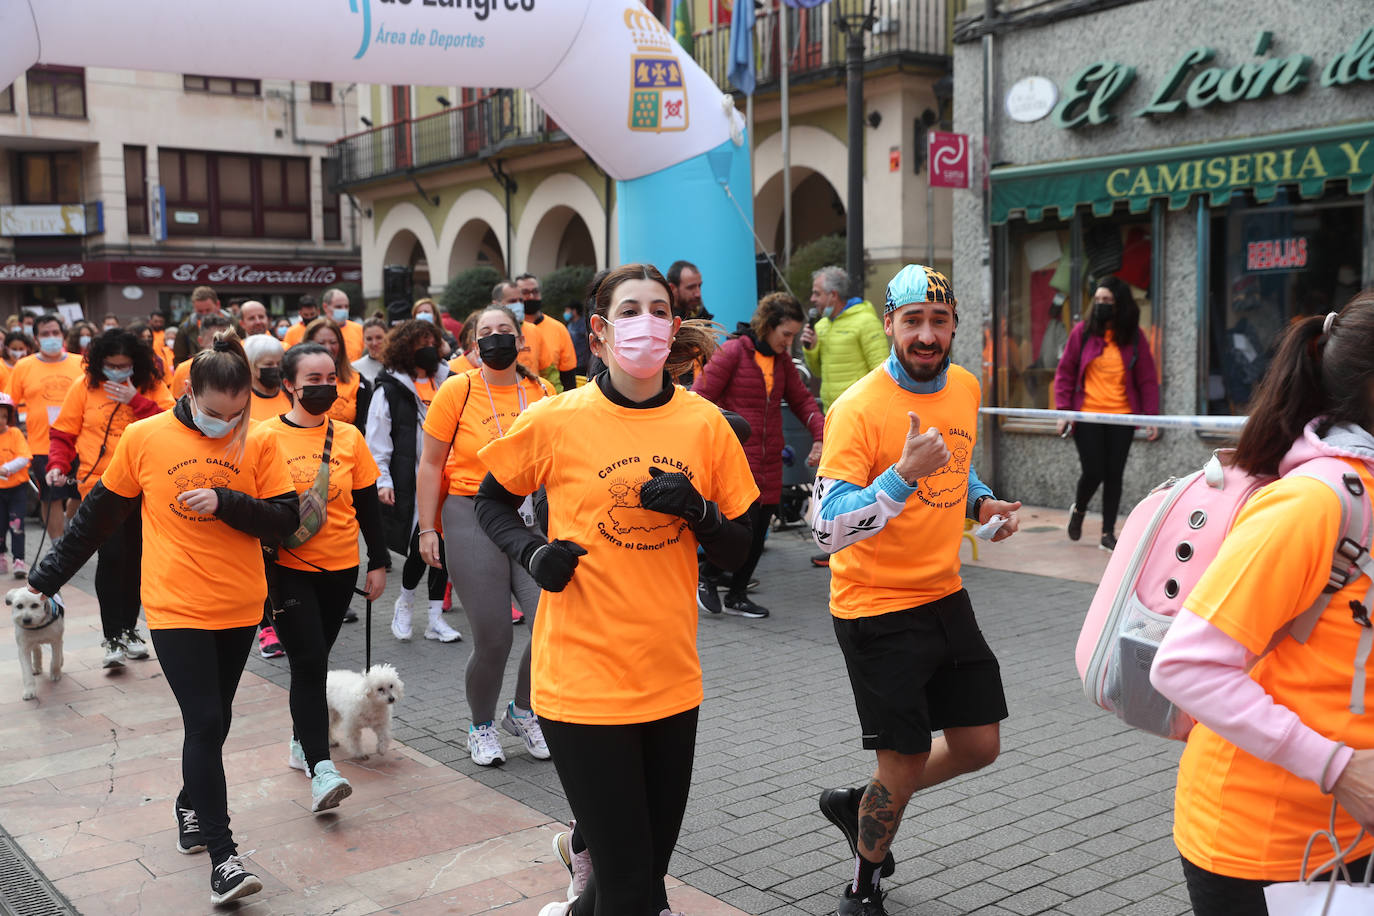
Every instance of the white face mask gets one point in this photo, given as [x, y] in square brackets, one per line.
[519, 309]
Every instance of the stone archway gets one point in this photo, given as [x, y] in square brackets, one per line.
[568, 195]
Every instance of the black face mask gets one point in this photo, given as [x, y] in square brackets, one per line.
[427, 358]
[270, 377]
[1103, 313]
[497, 350]
[532, 306]
[316, 399]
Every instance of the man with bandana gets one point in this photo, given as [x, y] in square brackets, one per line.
[894, 486]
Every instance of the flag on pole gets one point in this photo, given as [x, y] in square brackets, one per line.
[682, 24]
[742, 75]
[804, 4]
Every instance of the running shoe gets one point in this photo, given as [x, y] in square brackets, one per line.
[527, 729]
[20, 569]
[268, 644]
[350, 616]
[1075, 530]
[578, 864]
[114, 653]
[1108, 541]
[484, 744]
[841, 808]
[229, 880]
[820, 559]
[189, 839]
[400, 617]
[327, 787]
[872, 905]
[557, 909]
[708, 596]
[517, 616]
[295, 757]
[134, 645]
[739, 605]
[440, 630]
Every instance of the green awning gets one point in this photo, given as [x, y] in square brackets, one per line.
[1308, 158]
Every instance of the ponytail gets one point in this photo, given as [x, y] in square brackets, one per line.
[1324, 368]
[694, 344]
[224, 367]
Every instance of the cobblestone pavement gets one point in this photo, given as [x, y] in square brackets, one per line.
[1073, 818]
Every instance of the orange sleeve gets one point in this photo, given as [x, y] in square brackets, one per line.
[160, 395]
[294, 335]
[847, 454]
[271, 474]
[121, 474]
[14, 385]
[73, 411]
[442, 420]
[522, 459]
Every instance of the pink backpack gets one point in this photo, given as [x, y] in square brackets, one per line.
[1169, 540]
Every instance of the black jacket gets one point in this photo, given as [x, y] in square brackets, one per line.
[398, 518]
[103, 511]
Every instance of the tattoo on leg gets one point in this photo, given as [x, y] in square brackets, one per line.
[878, 820]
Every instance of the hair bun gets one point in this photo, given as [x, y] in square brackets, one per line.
[221, 345]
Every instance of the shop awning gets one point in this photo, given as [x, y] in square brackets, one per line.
[1308, 158]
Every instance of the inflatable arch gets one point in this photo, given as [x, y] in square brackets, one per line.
[606, 70]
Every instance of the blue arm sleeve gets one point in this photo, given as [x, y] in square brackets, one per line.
[846, 513]
[976, 489]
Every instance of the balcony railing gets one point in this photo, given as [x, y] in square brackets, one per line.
[468, 131]
[922, 28]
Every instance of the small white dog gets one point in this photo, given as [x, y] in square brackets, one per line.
[36, 621]
[358, 701]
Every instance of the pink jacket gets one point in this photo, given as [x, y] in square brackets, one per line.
[1206, 672]
[1142, 379]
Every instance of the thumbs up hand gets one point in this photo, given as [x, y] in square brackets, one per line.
[923, 453]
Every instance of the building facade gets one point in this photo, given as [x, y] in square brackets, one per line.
[123, 190]
[1218, 157]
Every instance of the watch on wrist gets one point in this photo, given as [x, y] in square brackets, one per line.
[978, 505]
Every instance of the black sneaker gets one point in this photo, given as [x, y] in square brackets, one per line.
[188, 831]
[1108, 541]
[1075, 523]
[229, 880]
[708, 598]
[861, 906]
[841, 808]
[350, 616]
[737, 605]
[821, 559]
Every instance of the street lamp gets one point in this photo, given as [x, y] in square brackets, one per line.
[854, 17]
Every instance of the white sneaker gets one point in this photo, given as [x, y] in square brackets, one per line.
[114, 653]
[526, 728]
[578, 864]
[557, 909]
[484, 744]
[134, 645]
[441, 631]
[400, 618]
[295, 757]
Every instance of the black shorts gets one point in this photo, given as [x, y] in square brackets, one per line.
[46, 493]
[918, 671]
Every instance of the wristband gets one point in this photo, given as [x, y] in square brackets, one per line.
[429, 531]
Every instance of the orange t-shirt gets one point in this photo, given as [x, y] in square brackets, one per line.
[98, 421]
[460, 364]
[180, 377]
[914, 560]
[555, 344]
[1104, 382]
[5, 373]
[532, 355]
[1235, 814]
[42, 387]
[618, 645]
[294, 335]
[264, 409]
[424, 389]
[13, 445]
[335, 545]
[463, 404]
[345, 409]
[198, 572]
[765, 364]
[353, 340]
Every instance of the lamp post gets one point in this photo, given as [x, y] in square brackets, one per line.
[854, 17]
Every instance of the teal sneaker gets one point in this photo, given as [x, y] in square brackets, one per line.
[295, 757]
[327, 787]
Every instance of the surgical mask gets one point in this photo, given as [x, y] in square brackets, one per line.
[427, 358]
[519, 309]
[340, 316]
[50, 345]
[270, 376]
[17, 355]
[281, 333]
[642, 343]
[567, 316]
[533, 306]
[213, 427]
[316, 399]
[498, 350]
[426, 316]
[118, 375]
[84, 340]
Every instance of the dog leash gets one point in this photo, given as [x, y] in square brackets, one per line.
[367, 639]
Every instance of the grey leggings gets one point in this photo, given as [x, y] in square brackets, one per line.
[484, 579]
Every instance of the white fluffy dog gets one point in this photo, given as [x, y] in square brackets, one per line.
[36, 621]
[358, 701]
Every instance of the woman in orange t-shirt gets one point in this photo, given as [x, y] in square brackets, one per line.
[211, 490]
[314, 582]
[1106, 368]
[1283, 743]
[469, 411]
[639, 472]
[355, 392]
[121, 385]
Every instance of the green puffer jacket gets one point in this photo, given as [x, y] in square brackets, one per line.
[847, 348]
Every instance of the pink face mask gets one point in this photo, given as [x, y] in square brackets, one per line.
[642, 343]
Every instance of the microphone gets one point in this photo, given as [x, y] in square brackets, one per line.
[813, 316]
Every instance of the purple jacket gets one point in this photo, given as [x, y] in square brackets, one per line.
[1142, 381]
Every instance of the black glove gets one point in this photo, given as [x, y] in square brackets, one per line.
[673, 494]
[552, 564]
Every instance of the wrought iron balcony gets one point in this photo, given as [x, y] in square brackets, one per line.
[495, 120]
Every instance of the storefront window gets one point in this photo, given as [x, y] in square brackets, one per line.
[1050, 271]
[1271, 264]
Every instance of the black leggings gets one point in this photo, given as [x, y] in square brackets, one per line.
[627, 786]
[118, 576]
[203, 669]
[1220, 895]
[312, 611]
[759, 518]
[1102, 452]
[415, 566]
